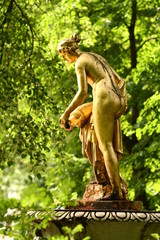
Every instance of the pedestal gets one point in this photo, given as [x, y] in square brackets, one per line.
[98, 224]
[106, 225]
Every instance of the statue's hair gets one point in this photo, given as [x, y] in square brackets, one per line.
[69, 44]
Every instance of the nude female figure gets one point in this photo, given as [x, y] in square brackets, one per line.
[107, 103]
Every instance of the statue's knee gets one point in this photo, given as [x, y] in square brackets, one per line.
[106, 147]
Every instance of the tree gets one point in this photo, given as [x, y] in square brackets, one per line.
[36, 86]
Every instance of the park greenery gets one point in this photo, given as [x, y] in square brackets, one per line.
[41, 165]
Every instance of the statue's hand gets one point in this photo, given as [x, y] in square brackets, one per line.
[63, 119]
[64, 122]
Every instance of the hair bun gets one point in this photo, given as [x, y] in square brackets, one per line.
[76, 38]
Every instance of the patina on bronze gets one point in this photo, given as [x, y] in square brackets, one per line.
[99, 121]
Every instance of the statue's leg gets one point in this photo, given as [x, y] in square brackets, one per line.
[105, 104]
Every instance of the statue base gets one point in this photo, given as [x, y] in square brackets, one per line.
[95, 191]
[93, 200]
[110, 205]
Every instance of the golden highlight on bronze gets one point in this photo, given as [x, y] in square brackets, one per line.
[99, 121]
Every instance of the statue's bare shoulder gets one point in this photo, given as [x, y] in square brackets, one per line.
[84, 60]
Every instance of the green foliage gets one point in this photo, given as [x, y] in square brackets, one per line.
[155, 236]
[41, 165]
[71, 233]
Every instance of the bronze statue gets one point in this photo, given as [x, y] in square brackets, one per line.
[99, 121]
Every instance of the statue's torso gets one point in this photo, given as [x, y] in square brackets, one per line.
[93, 68]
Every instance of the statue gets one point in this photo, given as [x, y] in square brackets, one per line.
[99, 121]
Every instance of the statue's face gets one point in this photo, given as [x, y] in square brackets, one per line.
[67, 57]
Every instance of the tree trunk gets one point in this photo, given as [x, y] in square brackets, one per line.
[133, 52]
[135, 112]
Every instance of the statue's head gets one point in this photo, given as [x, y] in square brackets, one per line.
[67, 48]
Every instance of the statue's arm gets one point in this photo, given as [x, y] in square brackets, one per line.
[80, 95]
[82, 89]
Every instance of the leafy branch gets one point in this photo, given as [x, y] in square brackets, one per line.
[9, 10]
[30, 26]
[147, 40]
